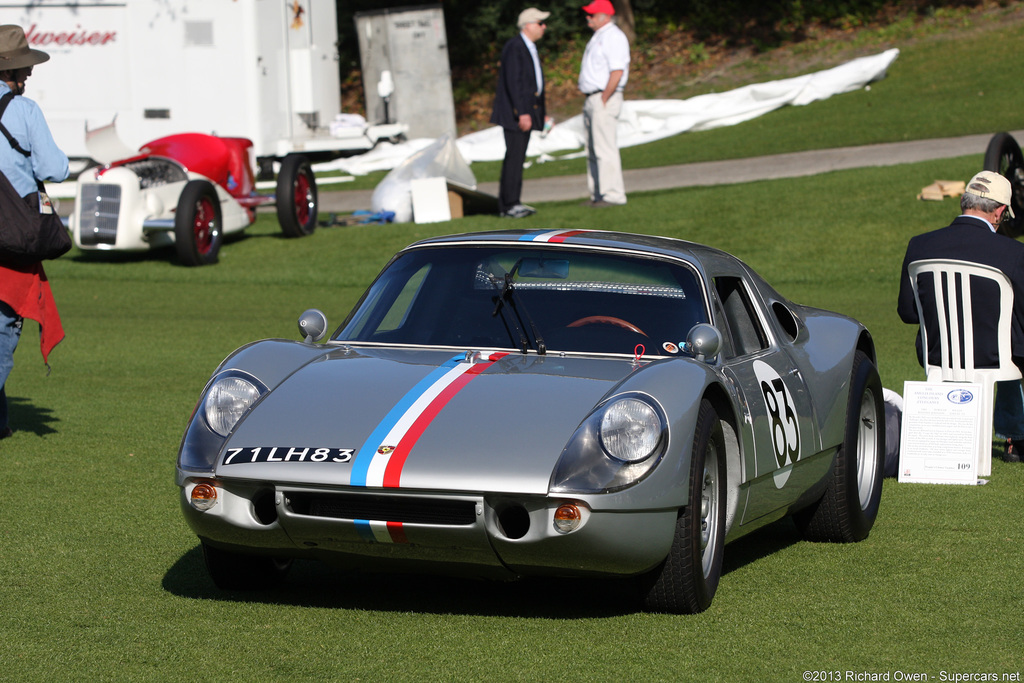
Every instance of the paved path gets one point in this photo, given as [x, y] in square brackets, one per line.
[719, 172]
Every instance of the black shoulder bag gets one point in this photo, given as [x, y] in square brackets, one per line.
[30, 230]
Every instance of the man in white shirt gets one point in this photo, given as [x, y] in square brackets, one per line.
[603, 76]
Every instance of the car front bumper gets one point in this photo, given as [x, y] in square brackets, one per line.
[499, 535]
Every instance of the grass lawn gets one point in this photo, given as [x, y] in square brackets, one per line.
[100, 579]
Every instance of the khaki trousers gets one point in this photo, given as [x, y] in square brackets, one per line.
[604, 166]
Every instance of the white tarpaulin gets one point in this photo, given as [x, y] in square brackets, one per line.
[644, 121]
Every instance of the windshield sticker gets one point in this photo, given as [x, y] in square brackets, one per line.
[380, 461]
[245, 456]
[784, 425]
[670, 347]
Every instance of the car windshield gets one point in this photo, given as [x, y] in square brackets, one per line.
[533, 298]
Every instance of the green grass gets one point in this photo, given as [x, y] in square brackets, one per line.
[100, 579]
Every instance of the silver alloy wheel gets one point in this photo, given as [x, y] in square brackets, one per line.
[867, 448]
[709, 502]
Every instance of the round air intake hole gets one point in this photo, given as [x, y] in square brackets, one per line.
[514, 521]
[263, 507]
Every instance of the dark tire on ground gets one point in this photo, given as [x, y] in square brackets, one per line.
[198, 229]
[849, 506]
[685, 583]
[297, 198]
[236, 571]
[1004, 157]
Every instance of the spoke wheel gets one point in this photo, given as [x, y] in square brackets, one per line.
[297, 197]
[198, 230]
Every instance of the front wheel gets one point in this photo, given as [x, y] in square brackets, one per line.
[198, 230]
[849, 506]
[297, 200]
[1003, 156]
[686, 581]
[235, 571]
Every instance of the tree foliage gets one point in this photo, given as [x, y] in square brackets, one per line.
[477, 30]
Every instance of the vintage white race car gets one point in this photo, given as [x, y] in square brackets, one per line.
[189, 190]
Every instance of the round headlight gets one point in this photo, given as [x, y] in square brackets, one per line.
[227, 401]
[630, 430]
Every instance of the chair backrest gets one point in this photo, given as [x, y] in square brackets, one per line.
[952, 287]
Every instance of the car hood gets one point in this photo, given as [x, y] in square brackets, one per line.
[420, 419]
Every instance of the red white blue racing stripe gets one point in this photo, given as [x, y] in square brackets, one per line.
[551, 235]
[379, 463]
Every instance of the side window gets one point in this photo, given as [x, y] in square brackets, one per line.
[748, 336]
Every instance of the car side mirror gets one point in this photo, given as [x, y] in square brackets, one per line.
[312, 325]
[704, 341]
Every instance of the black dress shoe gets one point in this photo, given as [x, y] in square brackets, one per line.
[6, 432]
[1012, 453]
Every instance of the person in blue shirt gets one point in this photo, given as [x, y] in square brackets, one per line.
[24, 289]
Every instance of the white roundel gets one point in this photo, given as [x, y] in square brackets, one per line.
[783, 422]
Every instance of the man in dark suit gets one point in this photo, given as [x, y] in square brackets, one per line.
[519, 107]
[974, 237]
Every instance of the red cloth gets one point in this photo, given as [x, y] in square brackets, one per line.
[27, 291]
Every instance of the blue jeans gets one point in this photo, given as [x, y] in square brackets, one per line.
[10, 333]
[1008, 410]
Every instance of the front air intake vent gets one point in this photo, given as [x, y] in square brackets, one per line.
[405, 509]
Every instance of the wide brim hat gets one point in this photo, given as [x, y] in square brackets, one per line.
[14, 50]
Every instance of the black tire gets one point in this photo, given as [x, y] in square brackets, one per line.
[297, 199]
[685, 583]
[849, 506]
[236, 571]
[198, 229]
[1004, 157]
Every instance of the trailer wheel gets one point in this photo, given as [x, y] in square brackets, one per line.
[296, 196]
[1004, 157]
[198, 231]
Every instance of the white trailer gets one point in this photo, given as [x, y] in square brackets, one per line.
[266, 70]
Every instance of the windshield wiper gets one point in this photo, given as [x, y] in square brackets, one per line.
[509, 293]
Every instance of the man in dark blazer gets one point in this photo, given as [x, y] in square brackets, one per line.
[519, 107]
[973, 237]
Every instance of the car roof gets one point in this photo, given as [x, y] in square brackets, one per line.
[697, 254]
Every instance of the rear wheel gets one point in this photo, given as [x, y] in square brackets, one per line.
[297, 200]
[1004, 157]
[686, 581]
[198, 230]
[235, 571]
[847, 510]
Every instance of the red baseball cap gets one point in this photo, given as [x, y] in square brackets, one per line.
[600, 7]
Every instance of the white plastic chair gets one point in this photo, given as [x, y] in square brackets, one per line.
[950, 300]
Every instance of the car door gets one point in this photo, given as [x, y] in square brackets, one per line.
[779, 427]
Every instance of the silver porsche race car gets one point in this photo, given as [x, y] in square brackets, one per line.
[561, 403]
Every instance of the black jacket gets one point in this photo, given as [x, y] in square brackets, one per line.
[968, 239]
[517, 88]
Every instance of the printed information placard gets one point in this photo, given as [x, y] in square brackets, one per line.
[939, 437]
